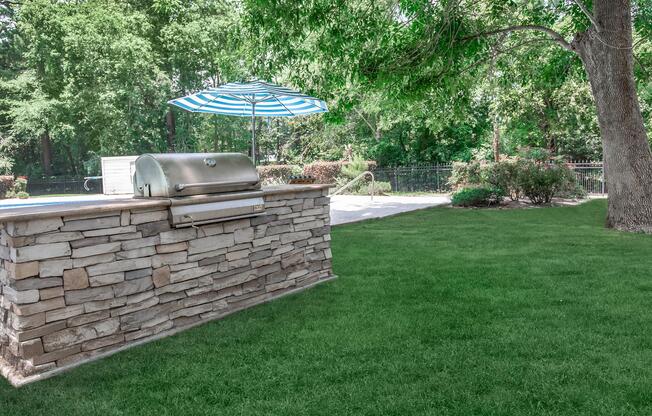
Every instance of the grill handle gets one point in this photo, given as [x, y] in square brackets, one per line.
[182, 186]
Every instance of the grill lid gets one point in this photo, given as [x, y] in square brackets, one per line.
[169, 175]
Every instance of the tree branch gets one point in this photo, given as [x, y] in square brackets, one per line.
[497, 52]
[367, 122]
[587, 13]
[553, 35]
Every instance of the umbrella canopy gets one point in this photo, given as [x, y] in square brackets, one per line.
[251, 99]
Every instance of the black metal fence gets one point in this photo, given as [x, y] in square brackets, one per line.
[425, 178]
[433, 178]
[62, 185]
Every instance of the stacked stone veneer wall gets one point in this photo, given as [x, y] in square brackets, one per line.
[74, 287]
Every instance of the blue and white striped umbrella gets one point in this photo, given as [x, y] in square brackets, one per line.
[251, 99]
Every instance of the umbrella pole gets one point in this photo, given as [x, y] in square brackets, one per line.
[253, 133]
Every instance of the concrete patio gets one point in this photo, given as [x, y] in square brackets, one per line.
[352, 208]
[344, 208]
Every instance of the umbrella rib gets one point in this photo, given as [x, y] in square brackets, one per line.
[279, 101]
[225, 95]
[207, 102]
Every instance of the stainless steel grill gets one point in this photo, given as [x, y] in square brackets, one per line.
[228, 181]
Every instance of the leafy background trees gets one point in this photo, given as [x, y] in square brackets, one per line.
[84, 79]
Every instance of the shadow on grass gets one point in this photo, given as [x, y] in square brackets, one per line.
[441, 311]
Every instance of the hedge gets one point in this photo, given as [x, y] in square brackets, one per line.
[6, 184]
[328, 172]
[277, 174]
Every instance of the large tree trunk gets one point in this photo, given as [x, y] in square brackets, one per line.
[495, 143]
[608, 60]
[171, 126]
[46, 153]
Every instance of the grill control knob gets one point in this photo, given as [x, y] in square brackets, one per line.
[210, 162]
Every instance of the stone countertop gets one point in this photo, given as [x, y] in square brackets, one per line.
[27, 213]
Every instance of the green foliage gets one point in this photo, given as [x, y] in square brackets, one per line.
[332, 172]
[541, 181]
[96, 76]
[18, 189]
[534, 175]
[574, 190]
[536, 154]
[477, 197]
[323, 172]
[380, 188]
[505, 175]
[6, 163]
[420, 87]
[403, 84]
[277, 174]
[6, 185]
[354, 168]
[466, 173]
[351, 170]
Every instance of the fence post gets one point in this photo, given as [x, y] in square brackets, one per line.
[604, 178]
[396, 179]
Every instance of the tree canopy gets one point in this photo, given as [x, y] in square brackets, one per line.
[406, 81]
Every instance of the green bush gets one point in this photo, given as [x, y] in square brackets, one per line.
[323, 172]
[477, 197]
[350, 171]
[575, 190]
[6, 185]
[503, 175]
[328, 172]
[537, 154]
[277, 174]
[538, 180]
[19, 189]
[380, 188]
[466, 174]
[541, 181]
[354, 168]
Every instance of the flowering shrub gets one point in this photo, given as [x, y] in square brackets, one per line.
[538, 181]
[466, 173]
[6, 185]
[541, 181]
[328, 172]
[18, 189]
[323, 172]
[503, 175]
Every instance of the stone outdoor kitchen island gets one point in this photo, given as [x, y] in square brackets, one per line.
[79, 281]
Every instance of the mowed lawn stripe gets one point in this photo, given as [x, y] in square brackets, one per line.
[442, 311]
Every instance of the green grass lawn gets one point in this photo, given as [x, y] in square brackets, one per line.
[440, 312]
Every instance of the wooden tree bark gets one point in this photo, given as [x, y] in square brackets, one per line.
[46, 153]
[606, 52]
[495, 119]
[605, 49]
[171, 127]
[495, 144]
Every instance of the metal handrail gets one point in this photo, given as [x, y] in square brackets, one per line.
[90, 178]
[357, 178]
